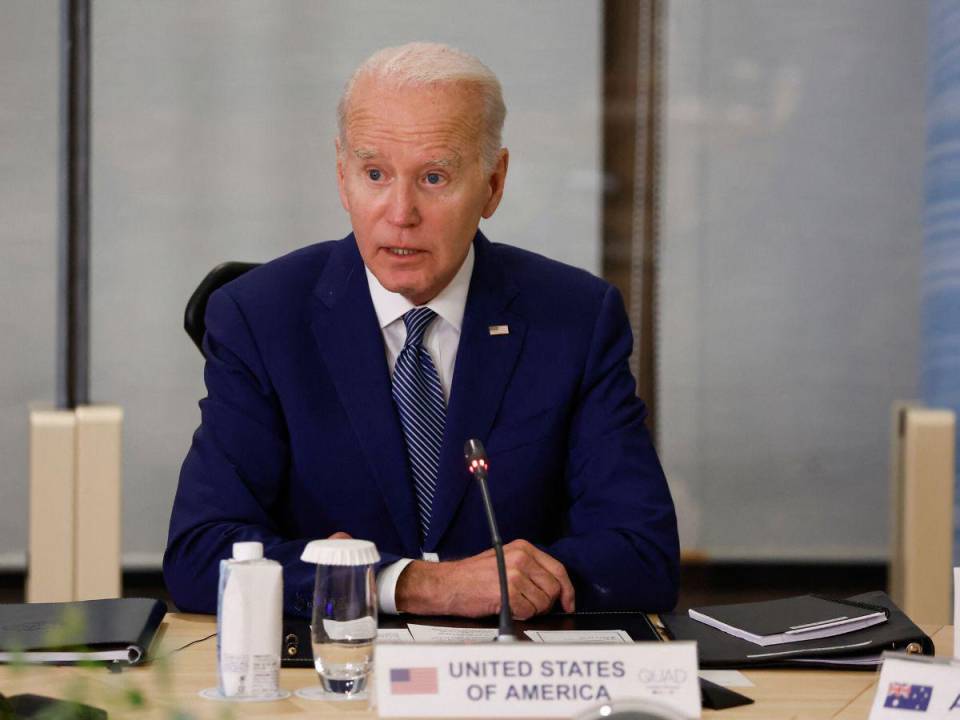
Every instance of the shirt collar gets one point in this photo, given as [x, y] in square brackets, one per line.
[448, 304]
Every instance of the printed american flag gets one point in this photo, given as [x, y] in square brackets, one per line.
[904, 696]
[413, 681]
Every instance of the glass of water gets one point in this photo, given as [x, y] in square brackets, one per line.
[344, 622]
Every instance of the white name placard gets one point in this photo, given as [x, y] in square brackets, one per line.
[917, 686]
[530, 679]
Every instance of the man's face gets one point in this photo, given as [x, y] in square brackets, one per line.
[412, 179]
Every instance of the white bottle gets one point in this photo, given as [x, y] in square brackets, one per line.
[249, 623]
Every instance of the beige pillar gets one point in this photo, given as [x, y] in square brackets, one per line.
[921, 564]
[50, 566]
[98, 509]
[75, 504]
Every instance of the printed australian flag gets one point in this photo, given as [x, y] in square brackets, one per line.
[413, 681]
[903, 696]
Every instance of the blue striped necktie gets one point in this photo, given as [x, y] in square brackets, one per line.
[419, 398]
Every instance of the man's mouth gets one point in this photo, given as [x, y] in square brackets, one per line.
[402, 252]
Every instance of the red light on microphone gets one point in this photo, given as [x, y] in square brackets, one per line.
[475, 457]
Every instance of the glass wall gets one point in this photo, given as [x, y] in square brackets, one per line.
[28, 247]
[789, 269]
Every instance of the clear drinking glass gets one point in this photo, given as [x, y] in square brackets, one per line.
[344, 626]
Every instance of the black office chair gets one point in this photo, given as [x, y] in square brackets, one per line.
[193, 316]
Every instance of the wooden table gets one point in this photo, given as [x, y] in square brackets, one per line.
[173, 681]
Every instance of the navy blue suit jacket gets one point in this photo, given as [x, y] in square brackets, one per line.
[300, 437]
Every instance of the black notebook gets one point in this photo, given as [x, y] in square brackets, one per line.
[792, 619]
[115, 630]
[860, 649]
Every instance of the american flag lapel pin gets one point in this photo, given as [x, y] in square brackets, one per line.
[499, 329]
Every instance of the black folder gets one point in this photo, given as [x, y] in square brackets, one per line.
[860, 649]
[297, 651]
[38, 707]
[114, 630]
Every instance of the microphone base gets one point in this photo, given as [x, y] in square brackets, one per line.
[506, 638]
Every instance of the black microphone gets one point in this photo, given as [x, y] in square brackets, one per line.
[476, 458]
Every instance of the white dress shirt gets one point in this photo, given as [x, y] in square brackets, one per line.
[441, 340]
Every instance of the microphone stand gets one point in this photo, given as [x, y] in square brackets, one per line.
[477, 465]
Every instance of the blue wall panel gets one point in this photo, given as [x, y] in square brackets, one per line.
[940, 364]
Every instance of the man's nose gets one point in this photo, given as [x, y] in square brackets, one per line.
[402, 210]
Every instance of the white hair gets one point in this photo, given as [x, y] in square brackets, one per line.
[421, 63]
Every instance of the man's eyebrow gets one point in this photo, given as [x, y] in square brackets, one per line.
[452, 160]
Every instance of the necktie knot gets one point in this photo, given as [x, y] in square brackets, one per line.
[416, 322]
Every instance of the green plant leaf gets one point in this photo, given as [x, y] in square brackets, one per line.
[6, 712]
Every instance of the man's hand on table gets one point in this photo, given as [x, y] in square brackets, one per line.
[471, 587]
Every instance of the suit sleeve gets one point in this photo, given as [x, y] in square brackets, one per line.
[621, 547]
[235, 474]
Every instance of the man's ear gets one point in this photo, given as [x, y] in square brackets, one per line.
[341, 171]
[496, 183]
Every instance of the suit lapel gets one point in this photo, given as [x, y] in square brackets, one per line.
[483, 368]
[351, 344]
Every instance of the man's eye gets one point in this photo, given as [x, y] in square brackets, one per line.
[434, 178]
[374, 175]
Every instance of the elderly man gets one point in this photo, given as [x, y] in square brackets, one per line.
[343, 380]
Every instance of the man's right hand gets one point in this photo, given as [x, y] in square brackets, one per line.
[471, 587]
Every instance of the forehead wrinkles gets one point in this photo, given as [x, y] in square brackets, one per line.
[424, 118]
[371, 130]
